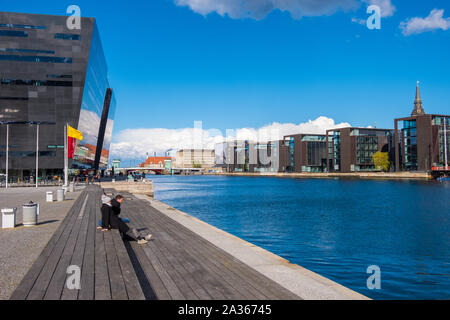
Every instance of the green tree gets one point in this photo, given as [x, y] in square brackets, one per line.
[381, 161]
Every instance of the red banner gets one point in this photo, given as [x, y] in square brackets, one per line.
[72, 143]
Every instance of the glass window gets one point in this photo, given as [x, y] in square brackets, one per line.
[59, 76]
[26, 50]
[67, 36]
[11, 33]
[35, 59]
[21, 26]
[36, 83]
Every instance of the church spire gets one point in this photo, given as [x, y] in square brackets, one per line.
[418, 107]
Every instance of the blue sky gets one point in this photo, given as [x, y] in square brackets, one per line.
[170, 65]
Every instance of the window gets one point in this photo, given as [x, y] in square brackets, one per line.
[13, 98]
[36, 83]
[21, 26]
[35, 59]
[65, 36]
[26, 50]
[366, 147]
[10, 33]
[59, 76]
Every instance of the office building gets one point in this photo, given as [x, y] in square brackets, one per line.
[352, 149]
[306, 153]
[422, 140]
[195, 159]
[53, 76]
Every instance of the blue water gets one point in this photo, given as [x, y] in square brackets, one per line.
[335, 227]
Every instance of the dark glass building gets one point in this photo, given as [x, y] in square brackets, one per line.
[51, 74]
[421, 139]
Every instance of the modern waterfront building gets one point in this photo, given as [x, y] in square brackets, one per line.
[195, 158]
[249, 156]
[55, 76]
[422, 140]
[351, 149]
[306, 153]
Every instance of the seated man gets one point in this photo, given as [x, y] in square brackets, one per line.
[116, 222]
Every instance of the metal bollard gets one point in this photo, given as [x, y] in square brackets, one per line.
[60, 196]
[49, 196]
[30, 214]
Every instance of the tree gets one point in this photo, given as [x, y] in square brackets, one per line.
[381, 161]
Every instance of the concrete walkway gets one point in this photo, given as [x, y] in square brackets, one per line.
[20, 247]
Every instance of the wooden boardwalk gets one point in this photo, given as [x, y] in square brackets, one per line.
[176, 265]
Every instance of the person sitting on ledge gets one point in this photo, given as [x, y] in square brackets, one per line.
[113, 208]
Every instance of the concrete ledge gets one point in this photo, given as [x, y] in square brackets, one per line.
[144, 188]
[360, 175]
[304, 283]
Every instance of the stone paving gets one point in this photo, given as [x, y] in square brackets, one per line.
[20, 247]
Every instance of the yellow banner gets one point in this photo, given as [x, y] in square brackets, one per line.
[73, 133]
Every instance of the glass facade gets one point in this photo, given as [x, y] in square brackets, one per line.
[410, 144]
[443, 124]
[366, 147]
[47, 77]
[95, 87]
[336, 145]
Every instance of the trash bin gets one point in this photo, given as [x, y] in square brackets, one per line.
[60, 195]
[71, 187]
[9, 218]
[30, 214]
[49, 196]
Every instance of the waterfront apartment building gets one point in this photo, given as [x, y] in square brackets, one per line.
[422, 140]
[351, 149]
[305, 153]
[195, 158]
[249, 156]
[52, 76]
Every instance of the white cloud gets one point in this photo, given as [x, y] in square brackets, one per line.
[258, 9]
[386, 7]
[434, 21]
[135, 143]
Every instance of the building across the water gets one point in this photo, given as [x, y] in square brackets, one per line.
[52, 76]
[422, 140]
[195, 159]
[352, 149]
[306, 153]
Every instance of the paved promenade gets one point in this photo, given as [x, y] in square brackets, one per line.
[186, 259]
[20, 247]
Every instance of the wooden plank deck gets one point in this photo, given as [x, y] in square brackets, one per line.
[182, 265]
[176, 265]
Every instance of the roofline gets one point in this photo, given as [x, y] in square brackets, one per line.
[360, 128]
[45, 15]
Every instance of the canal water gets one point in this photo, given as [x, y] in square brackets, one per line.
[335, 227]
